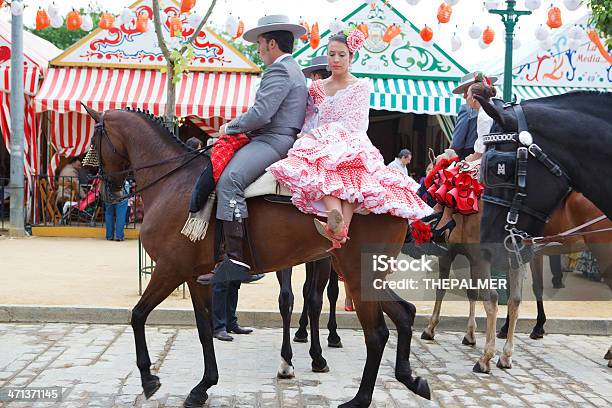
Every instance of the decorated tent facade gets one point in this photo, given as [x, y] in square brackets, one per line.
[408, 77]
[37, 54]
[121, 67]
[561, 69]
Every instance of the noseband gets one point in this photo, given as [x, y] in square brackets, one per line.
[509, 170]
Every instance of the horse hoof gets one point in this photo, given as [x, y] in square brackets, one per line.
[332, 344]
[467, 342]
[608, 355]
[355, 403]
[193, 401]
[505, 363]
[426, 336]
[324, 369]
[478, 369]
[285, 370]
[151, 386]
[422, 388]
[502, 334]
[297, 339]
[536, 334]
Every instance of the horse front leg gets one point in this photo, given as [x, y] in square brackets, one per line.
[537, 276]
[201, 298]
[515, 280]
[162, 284]
[320, 277]
[301, 335]
[285, 305]
[402, 314]
[333, 339]
[434, 320]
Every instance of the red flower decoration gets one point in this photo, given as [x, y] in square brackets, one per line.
[355, 40]
[420, 232]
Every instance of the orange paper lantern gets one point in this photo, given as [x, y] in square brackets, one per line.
[240, 30]
[488, 35]
[426, 34]
[305, 25]
[176, 26]
[187, 5]
[554, 17]
[444, 13]
[363, 27]
[315, 38]
[106, 21]
[392, 31]
[142, 23]
[42, 19]
[73, 20]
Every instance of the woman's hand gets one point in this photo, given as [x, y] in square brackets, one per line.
[473, 157]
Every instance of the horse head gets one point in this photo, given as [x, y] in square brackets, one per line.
[524, 181]
[108, 148]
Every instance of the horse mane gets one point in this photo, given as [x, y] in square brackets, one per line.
[572, 95]
[158, 122]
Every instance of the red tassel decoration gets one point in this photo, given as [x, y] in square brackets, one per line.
[420, 232]
[441, 164]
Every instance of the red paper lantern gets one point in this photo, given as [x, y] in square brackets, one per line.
[444, 13]
[142, 23]
[73, 20]
[240, 30]
[176, 26]
[305, 25]
[426, 34]
[488, 35]
[187, 5]
[392, 31]
[42, 18]
[554, 17]
[363, 27]
[106, 21]
[315, 38]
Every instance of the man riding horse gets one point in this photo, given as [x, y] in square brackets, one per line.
[271, 124]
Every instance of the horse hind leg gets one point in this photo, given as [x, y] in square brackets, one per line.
[320, 277]
[515, 280]
[333, 339]
[301, 335]
[162, 284]
[402, 314]
[201, 299]
[434, 320]
[470, 334]
[285, 305]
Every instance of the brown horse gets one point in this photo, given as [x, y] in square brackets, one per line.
[281, 237]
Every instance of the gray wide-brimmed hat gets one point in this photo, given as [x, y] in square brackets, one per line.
[316, 63]
[468, 80]
[273, 23]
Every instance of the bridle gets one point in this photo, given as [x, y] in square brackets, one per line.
[109, 186]
[516, 240]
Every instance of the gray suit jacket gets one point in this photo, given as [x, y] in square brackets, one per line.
[280, 103]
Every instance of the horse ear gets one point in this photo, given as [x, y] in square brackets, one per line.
[93, 113]
[494, 108]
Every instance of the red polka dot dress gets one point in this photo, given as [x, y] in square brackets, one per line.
[335, 157]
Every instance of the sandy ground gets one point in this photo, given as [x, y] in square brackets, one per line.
[92, 272]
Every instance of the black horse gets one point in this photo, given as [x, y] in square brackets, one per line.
[549, 147]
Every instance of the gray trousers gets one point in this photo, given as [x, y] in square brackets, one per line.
[245, 167]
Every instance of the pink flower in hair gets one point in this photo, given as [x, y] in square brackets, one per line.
[355, 40]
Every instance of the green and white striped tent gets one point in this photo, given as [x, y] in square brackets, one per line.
[407, 76]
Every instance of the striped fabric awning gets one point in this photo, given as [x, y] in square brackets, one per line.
[200, 94]
[525, 92]
[31, 79]
[415, 96]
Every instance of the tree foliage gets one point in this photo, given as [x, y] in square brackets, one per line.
[62, 37]
[602, 18]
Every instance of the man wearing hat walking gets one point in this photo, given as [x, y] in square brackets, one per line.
[272, 125]
[465, 135]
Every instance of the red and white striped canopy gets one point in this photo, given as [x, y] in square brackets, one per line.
[202, 94]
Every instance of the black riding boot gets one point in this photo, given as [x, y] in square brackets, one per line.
[233, 267]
